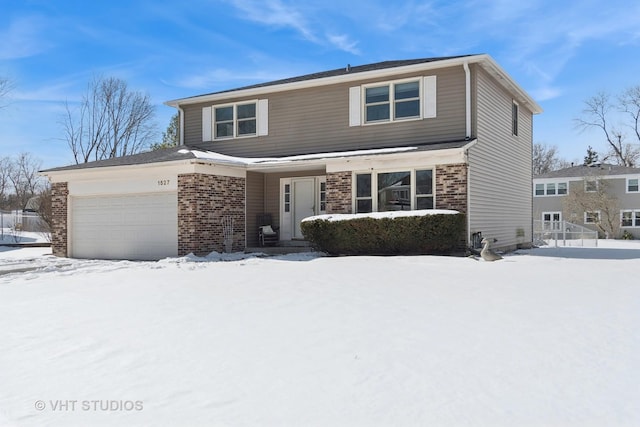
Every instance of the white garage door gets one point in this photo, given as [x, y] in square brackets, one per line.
[137, 226]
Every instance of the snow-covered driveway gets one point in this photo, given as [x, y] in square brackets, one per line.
[543, 337]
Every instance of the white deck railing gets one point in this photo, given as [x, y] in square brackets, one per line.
[563, 233]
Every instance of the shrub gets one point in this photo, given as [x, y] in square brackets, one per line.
[427, 234]
[627, 236]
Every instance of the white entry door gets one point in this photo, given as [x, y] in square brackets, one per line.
[303, 203]
[300, 198]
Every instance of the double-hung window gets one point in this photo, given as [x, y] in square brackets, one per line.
[232, 121]
[632, 185]
[392, 101]
[562, 188]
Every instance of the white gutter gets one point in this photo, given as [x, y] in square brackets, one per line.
[467, 76]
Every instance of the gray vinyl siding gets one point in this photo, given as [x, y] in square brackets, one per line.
[317, 120]
[255, 205]
[500, 199]
[616, 186]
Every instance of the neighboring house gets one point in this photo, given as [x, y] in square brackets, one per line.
[443, 133]
[552, 189]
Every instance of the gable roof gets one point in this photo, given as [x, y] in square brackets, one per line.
[598, 169]
[156, 156]
[340, 72]
[361, 72]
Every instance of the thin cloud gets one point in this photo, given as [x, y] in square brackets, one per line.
[220, 78]
[307, 23]
[275, 13]
[22, 38]
[343, 42]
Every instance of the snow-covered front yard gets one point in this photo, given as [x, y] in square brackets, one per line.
[545, 337]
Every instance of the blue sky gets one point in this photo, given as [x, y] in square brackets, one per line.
[560, 52]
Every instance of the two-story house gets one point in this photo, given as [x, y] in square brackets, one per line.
[620, 193]
[435, 133]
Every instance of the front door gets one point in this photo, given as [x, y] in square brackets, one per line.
[303, 203]
[300, 198]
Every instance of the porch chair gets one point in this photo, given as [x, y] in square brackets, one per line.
[267, 233]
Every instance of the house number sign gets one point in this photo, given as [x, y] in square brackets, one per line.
[163, 182]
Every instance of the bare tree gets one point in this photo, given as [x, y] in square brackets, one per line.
[5, 166]
[111, 121]
[599, 112]
[546, 159]
[24, 179]
[597, 201]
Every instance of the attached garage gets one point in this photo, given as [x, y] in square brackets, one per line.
[124, 226]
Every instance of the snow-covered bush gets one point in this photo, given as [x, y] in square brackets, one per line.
[427, 234]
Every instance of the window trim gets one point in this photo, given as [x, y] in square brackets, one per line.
[392, 101]
[374, 186]
[626, 187]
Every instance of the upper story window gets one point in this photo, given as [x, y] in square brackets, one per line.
[409, 99]
[234, 121]
[239, 120]
[514, 118]
[551, 189]
[632, 185]
[393, 101]
[590, 186]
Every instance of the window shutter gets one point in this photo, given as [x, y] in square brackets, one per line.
[354, 106]
[429, 97]
[263, 117]
[206, 124]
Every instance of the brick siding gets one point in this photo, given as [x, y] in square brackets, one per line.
[339, 192]
[59, 197]
[451, 187]
[203, 202]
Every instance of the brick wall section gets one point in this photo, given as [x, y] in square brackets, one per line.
[59, 197]
[451, 187]
[339, 192]
[203, 201]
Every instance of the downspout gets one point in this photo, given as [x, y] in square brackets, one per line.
[467, 76]
[181, 120]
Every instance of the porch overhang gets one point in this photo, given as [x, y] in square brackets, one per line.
[438, 153]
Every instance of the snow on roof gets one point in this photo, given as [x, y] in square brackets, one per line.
[380, 215]
[211, 155]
